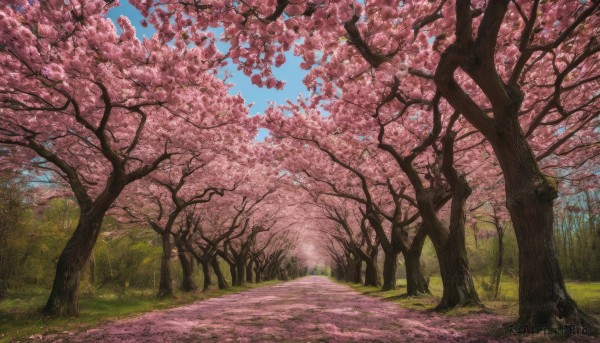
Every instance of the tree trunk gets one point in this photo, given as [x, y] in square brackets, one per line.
[165, 286]
[350, 268]
[249, 267]
[187, 269]
[240, 268]
[258, 272]
[459, 289]
[234, 275]
[415, 282]
[357, 270]
[390, 264]
[340, 272]
[371, 271]
[64, 297]
[371, 274]
[221, 282]
[283, 274]
[206, 273]
[543, 297]
[274, 271]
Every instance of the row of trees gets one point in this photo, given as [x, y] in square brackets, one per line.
[142, 130]
[239, 225]
[127, 257]
[421, 117]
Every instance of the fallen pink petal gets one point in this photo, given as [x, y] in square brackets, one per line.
[310, 309]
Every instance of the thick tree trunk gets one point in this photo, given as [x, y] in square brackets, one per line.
[283, 274]
[273, 270]
[266, 273]
[371, 274]
[240, 268]
[206, 273]
[233, 273]
[340, 272]
[258, 272]
[357, 270]
[459, 289]
[249, 267]
[543, 297]
[371, 271]
[292, 270]
[390, 264]
[350, 268]
[345, 272]
[415, 281]
[221, 281]
[64, 297]
[165, 286]
[187, 268]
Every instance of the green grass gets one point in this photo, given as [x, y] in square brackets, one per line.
[20, 317]
[586, 294]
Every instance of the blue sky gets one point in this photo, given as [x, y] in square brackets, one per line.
[290, 72]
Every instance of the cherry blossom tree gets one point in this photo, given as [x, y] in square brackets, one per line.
[354, 234]
[533, 74]
[167, 193]
[353, 183]
[99, 109]
[235, 248]
[228, 226]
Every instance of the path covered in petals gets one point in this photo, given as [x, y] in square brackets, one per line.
[311, 309]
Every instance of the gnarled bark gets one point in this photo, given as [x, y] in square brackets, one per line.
[390, 265]
[221, 281]
[357, 270]
[64, 297]
[415, 281]
[371, 270]
[233, 273]
[249, 268]
[240, 269]
[165, 287]
[543, 297]
[187, 267]
[206, 273]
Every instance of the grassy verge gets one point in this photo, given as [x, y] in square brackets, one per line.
[20, 318]
[586, 294]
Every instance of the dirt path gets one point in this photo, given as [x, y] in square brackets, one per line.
[311, 309]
